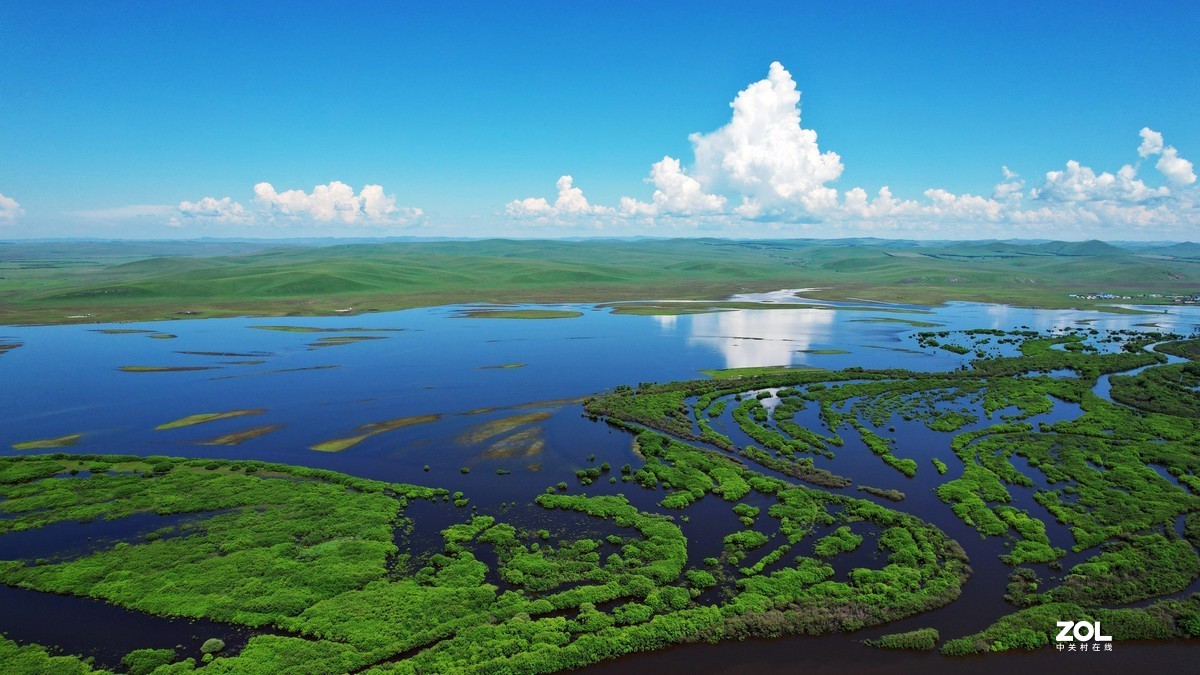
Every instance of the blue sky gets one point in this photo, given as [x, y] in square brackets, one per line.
[159, 119]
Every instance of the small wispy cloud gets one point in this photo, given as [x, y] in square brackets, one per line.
[124, 212]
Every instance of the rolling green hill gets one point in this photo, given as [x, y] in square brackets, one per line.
[88, 281]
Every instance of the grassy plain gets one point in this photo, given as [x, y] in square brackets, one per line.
[81, 282]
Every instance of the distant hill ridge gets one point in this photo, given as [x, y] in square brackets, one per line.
[81, 280]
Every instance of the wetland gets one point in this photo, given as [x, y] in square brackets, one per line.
[636, 488]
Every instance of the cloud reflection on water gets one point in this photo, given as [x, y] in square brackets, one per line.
[747, 338]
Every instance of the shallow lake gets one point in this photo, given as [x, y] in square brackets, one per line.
[475, 375]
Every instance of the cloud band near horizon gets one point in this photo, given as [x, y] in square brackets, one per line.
[765, 167]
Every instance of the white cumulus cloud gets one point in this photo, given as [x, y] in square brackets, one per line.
[569, 204]
[1176, 169]
[1011, 188]
[221, 210]
[1078, 183]
[10, 210]
[884, 205]
[676, 193]
[335, 202]
[764, 154]
[1152, 142]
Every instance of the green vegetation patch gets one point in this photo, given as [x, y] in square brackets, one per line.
[36, 659]
[337, 340]
[922, 639]
[841, 540]
[680, 309]
[272, 540]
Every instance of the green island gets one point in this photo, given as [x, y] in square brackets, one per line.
[88, 282]
[338, 340]
[323, 566]
[922, 639]
[203, 418]
[58, 442]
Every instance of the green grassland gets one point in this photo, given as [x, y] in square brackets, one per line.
[92, 282]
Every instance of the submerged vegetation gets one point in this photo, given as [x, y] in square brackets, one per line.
[239, 437]
[201, 418]
[59, 442]
[372, 429]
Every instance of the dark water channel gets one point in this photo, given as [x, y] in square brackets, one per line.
[90, 627]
